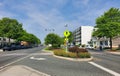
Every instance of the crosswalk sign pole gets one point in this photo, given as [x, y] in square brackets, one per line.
[66, 34]
[66, 45]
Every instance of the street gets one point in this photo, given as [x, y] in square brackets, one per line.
[47, 63]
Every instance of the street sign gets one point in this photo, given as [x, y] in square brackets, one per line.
[66, 39]
[66, 33]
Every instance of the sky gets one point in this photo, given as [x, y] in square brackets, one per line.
[40, 17]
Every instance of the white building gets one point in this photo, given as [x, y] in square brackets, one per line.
[83, 35]
[5, 41]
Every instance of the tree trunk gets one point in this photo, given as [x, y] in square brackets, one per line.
[9, 41]
[110, 43]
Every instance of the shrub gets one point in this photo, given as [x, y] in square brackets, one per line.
[65, 54]
[82, 50]
[106, 48]
[77, 50]
[83, 45]
[73, 49]
[84, 55]
[71, 54]
[49, 48]
[59, 52]
[55, 46]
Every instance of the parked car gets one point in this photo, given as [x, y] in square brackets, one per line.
[10, 47]
[7, 48]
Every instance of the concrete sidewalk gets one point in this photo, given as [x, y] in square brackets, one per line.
[20, 70]
[115, 53]
[1, 50]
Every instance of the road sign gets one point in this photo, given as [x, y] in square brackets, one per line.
[66, 33]
[66, 39]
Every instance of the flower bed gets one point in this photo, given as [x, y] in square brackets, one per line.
[72, 54]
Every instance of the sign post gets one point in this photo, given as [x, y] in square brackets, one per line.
[66, 34]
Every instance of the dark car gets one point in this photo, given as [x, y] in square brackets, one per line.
[7, 48]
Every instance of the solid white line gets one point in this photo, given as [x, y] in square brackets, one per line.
[105, 69]
[2, 67]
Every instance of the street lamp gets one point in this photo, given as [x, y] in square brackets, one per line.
[50, 30]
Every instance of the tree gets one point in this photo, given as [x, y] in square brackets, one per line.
[10, 28]
[108, 25]
[53, 39]
[70, 37]
[29, 38]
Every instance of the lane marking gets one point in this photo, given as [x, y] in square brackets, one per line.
[105, 69]
[15, 54]
[2, 67]
[37, 58]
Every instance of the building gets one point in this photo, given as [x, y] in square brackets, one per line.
[97, 42]
[4, 41]
[82, 35]
[105, 42]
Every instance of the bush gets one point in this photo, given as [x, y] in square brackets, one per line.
[84, 55]
[71, 54]
[83, 45]
[55, 46]
[77, 50]
[59, 52]
[73, 49]
[49, 48]
[106, 48]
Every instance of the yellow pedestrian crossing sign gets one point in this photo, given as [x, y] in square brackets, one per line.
[66, 39]
[66, 33]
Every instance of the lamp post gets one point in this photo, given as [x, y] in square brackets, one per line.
[50, 30]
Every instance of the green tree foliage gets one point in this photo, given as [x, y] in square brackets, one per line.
[53, 39]
[108, 24]
[11, 28]
[70, 37]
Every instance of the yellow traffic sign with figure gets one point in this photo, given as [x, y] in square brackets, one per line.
[66, 39]
[66, 33]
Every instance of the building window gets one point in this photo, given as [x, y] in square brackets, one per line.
[101, 43]
[4, 39]
[106, 42]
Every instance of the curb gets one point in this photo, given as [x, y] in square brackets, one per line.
[47, 51]
[1, 50]
[71, 59]
[74, 59]
[114, 53]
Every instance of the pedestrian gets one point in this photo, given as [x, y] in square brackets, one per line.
[101, 48]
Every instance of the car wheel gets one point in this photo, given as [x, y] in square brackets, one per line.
[3, 49]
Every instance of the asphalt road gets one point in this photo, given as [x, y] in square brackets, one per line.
[107, 60]
[53, 66]
[11, 56]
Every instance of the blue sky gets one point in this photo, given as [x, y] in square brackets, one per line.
[38, 15]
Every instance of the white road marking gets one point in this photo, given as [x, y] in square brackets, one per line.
[37, 58]
[17, 54]
[13, 54]
[105, 69]
[2, 67]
